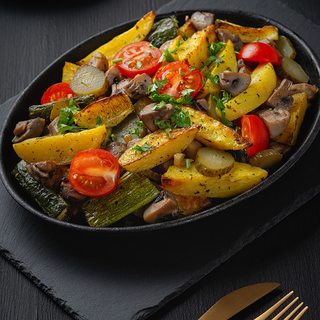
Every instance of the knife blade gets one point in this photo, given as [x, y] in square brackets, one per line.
[238, 300]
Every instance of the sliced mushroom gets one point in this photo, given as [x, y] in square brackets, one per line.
[243, 68]
[234, 82]
[163, 208]
[280, 147]
[121, 86]
[162, 168]
[310, 90]
[275, 120]
[224, 35]
[68, 193]
[116, 148]
[166, 45]
[47, 173]
[114, 75]
[201, 20]
[269, 42]
[281, 96]
[53, 127]
[192, 149]
[150, 113]
[99, 61]
[201, 105]
[138, 86]
[28, 129]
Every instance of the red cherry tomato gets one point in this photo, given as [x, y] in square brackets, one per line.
[94, 172]
[56, 92]
[254, 130]
[137, 58]
[259, 52]
[180, 76]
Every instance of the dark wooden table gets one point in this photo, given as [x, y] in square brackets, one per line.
[33, 35]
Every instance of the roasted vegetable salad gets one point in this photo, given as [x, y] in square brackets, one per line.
[161, 120]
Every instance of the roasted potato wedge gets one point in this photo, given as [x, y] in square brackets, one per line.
[189, 182]
[68, 71]
[214, 134]
[110, 111]
[191, 204]
[263, 82]
[161, 147]
[61, 148]
[195, 49]
[248, 34]
[290, 134]
[137, 33]
[228, 63]
[186, 30]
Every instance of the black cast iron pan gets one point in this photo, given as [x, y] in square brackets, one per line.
[52, 74]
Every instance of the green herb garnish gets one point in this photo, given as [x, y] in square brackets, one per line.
[145, 148]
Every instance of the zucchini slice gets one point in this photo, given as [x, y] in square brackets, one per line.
[212, 162]
[133, 191]
[51, 202]
[44, 110]
[162, 31]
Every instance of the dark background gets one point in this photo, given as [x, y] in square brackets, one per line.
[33, 35]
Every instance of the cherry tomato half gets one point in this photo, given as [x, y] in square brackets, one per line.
[254, 130]
[259, 52]
[180, 76]
[56, 92]
[137, 58]
[94, 172]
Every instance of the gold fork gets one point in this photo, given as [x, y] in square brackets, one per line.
[266, 314]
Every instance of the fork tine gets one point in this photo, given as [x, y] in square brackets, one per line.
[302, 312]
[266, 314]
[285, 309]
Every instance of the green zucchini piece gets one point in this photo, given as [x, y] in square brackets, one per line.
[44, 110]
[51, 202]
[133, 191]
[163, 31]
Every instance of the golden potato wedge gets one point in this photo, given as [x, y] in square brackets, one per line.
[191, 204]
[263, 82]
[228, 63]
[195, 49]
[214, 134]
[290, 134]
[248, 34]
[61, 148]
[110, 111]
[189, 182]
[68, 71]
[187, 30]
[162, 147]
[137, 33]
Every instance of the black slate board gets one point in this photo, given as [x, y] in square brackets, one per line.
[129, 278]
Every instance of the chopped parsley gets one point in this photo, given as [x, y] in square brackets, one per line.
[98, 121]
[213, 50]
[66, 119]
[138, 65]
[117, 60]
[145, 148]
[168, 54]
[188, 166]
[155, 95]
[213, 79]
[222, 108]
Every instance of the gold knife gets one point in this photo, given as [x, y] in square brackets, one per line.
[238, 300]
